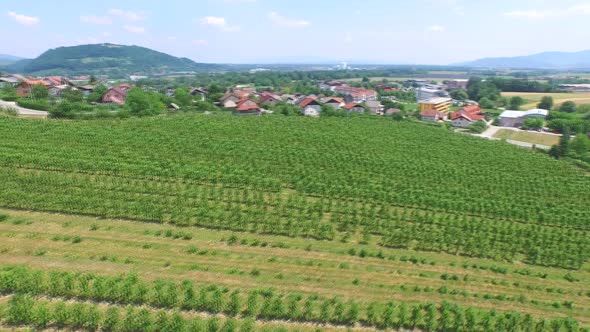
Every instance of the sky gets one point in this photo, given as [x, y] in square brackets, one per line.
[257, 31]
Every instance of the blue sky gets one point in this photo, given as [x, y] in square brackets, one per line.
[246, 31]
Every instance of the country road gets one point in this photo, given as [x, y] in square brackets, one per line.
[23, 112]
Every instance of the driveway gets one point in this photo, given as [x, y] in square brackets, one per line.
[23, 112]
[492, 130]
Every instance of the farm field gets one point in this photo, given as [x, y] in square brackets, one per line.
[528, 137]
[533, 98]
[279, 223]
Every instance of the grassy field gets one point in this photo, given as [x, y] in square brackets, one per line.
[528, 137]
[106, 247]
[296, 223]
[533, 98]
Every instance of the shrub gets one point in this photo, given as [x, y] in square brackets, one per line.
[34, 104]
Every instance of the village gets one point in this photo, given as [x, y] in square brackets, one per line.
[433, 102]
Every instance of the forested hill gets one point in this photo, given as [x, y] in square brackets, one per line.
[109, 59]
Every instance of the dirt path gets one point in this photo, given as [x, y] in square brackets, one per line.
[23, 112]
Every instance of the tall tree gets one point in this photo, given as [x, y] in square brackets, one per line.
[516, 102]
[546, 103]
[580, 144]
[568, 107]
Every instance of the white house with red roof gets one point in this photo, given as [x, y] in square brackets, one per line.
[117, 94]
[467, 116]
[354, 107]
[310, 107]
[334, 102]
[431, 115]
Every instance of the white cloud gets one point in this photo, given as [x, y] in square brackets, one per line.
[134, 28]
[436, 28]
[219, 23]
[280, 20]
[535, 14]
[23, 19]
[92, 19]
[200, 42]
[128, 15]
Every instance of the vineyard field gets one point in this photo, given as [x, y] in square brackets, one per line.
[278, 223]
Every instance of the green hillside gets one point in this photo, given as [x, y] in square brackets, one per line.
[6, 59]
[107, 59]
[327, 224]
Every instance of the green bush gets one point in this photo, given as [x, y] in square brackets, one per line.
[34, 104]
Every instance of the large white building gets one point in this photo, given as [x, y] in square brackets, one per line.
[516, 118]
[427, 92]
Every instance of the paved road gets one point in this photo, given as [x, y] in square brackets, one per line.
[23, 112]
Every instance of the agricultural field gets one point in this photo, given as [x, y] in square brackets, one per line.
[207, 223]
[533, 98]
[527, 137]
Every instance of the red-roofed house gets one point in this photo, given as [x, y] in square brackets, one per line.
[431, 115]
[244, 92]
[354, 107]
[229, 100]
[25, 87]
[335, 102]
[57, 81]
[269, 99]
[357, 95]
[467, 116]
[117, 94]
[310, 107]
[247, 107]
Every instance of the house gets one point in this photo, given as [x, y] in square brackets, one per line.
[456, 84]
[247, 107]
[243, 92]
[439, 104]
[24, 88]
[117, 94]
[269, 99]
[57, 81]
[310, 106]
[86, 89]
[331, 85]
[517, 118]
[375, 107]
[385, 88]
[430, 91]
[9, 81]
[354, 107]
[229, 100]
[334, 102]
[56, 90]
[289, 99]
[431, 115]
[392, 111]
[467, 116]
[356, 95]
[202, 93]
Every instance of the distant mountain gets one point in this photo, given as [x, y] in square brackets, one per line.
[6, 59]
[546, 60]
[108, 59]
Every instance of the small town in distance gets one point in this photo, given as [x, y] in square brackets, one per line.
[453, 102]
